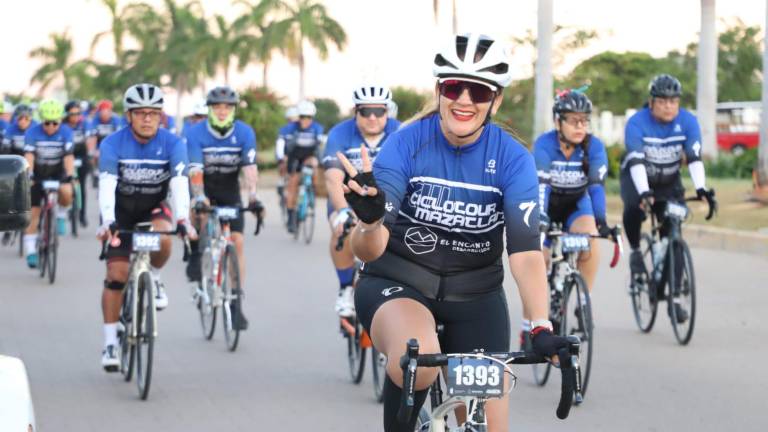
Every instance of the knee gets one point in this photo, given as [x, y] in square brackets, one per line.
[117, 272]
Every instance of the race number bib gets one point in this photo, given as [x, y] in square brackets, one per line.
[575, 243]
[677, 211]
[146, 242]
[226, 213]
[469, 376]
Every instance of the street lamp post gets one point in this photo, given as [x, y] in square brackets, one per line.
[706, 91]
[542, 120]
[761, 177]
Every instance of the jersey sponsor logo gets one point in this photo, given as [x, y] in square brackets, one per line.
[491, 169]
[527, 207]
[230, 159]
[420, 240]
[697, 149]
[568, 178]
[386, 292]
[678, 128]
[179, 168]
[602, 171]
[251, 156]
[135, 173]
[433, 202]
[389, 207]
[663, 154]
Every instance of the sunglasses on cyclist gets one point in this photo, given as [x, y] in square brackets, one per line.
[305, 117]
[74, 113]
[366, 112]
[50, 123]
[479, 93]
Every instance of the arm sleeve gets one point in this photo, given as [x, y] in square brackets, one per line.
[520, 193]
[248, 156]
[179, 183]
[693, 141]
[639, 178]
[696, 169]
[280, 146]
[543, 167]
[333, 145]
[391, 170]
[108, 177]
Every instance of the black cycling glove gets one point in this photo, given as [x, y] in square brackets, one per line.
[603, 229]
[546, 344]
[368, 209]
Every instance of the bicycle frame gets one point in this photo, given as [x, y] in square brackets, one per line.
[138, 265]
[305, 189]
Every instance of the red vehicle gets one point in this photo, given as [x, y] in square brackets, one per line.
[738, 126]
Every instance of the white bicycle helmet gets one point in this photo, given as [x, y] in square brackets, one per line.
[143, 96]
[371, 94]
[291, 112]
[200, 108]
[474, 56]
[306, 108]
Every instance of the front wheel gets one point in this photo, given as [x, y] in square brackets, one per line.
[206, 305]
[53, 246]
[232, 292]
[379, 371]
[682, 285]
[642, 288]
[577, 300]
[127, 348]
[145, 333]
[355, 351]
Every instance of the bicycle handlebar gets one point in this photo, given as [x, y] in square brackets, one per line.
[615, 235]
[412, 360]
[257, 211]
[709, 197]
[180, 230]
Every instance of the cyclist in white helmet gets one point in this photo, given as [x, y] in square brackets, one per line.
[370, 127]
[297, 146]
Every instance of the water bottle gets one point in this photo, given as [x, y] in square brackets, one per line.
[659, 253]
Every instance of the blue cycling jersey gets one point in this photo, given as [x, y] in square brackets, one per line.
[221, 158]
[297, 138]
[447, 207]
[80, 132]
[13, 138]
[661, 145]
[346, 138]
[49, 150]
[564, 179]
[143, 170]
[103, 129]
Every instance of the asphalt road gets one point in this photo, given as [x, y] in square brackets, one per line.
[290, 372]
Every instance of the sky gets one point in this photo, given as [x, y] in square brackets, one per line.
[391, 41]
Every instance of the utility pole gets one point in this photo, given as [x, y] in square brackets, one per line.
[542, 120]
[706, 91]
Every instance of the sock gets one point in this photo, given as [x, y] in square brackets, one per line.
[525, 325]
[392, 396]
[62, 212]
[155, 271]
[110, 334]
[30, 244]
[346, 276]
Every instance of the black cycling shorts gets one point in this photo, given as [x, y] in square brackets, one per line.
[298, 156]
[36, 192]
[480, 323]
[128, 221]
[235, 225]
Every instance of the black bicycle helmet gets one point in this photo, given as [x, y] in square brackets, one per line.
[571, 101]
[665, 86]
[222, 94]
[22, 109]
[71, 104]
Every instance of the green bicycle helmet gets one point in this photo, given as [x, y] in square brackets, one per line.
[51, 110]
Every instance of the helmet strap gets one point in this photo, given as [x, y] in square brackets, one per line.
[562, 138]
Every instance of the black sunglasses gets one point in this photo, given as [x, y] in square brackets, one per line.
[73, 113]
[51, 123]
[479, 93]
[305, 117]
[379, 112]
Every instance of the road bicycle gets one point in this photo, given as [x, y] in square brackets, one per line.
[668, 272]
[358, 340]
[48, 235]
[137, 326]
[77, 201]
[305, 207]
[570, 306]
[471, 379]
[220, 287]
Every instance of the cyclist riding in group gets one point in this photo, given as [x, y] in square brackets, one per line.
[432, 217]
[104, 123]
[572, 165]
[369, 128]
[84, 143]
[13, 137]
[297, 146]
[219, 150]
[48, 149]
[657, 138]
[199, 113]
[139, 164]
[5, 113]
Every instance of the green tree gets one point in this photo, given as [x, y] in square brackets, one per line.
[257, 37]
[263, 111]
[739, 64]
[328, 113]
[409, 101]
[516, 111]
[56, 62]
[309, 22]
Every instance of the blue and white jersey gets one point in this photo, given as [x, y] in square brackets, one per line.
[3, 126]
[80, 133]
[143, 170]
[49, 150]
[661, 145]
[104, 129]
[346, 138]
[221, 158]
[305, 139]
[447, 207]
[13, 138]
[568, 179]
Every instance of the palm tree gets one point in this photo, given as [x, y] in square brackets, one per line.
[56, 62]
[256, 38]
[436, 14]
[309, 21]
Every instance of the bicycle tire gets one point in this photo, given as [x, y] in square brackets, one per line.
[378, 371]
[308, 228]
[127, 349]
[205, 300]
[145, 339]
[642, 289]
[423, 420]
[42, 243]
[577, 299]
[298, 218]
[20, 237]
[73, 214]
[356, 353]
[53, 248]
[230, 283]
[685, 288]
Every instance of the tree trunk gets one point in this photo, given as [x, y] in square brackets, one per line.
[543, 97]
[226, 73]
[762, 161]
[454, 22]
[706, 91]
[301, 68]
[264, 73]
[181, 88]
